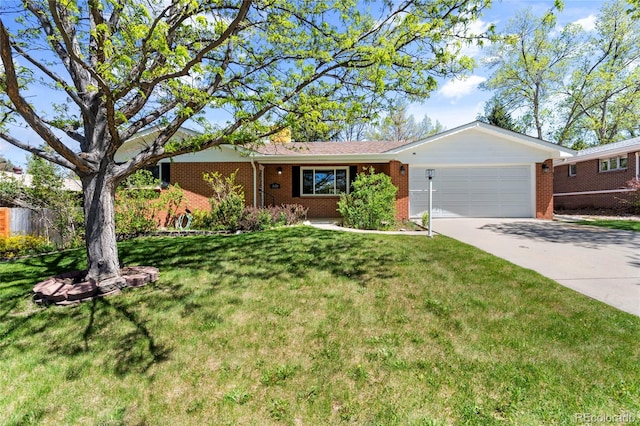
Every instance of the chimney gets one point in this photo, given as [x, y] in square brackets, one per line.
[282, 137]
[17, 170]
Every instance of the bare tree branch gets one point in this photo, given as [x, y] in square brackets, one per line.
[50, 156]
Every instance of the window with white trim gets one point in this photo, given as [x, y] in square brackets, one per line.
[613, 163]
[325, 180]
[573, 169]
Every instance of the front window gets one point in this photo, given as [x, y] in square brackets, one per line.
[613, 163]
[324, 181]
[573, 169]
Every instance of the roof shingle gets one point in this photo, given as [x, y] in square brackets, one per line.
[328, 148]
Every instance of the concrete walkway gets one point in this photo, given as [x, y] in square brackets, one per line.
[598, 262]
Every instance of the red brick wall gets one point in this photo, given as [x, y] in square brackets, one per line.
[589, 178]
[197, 191]
[326, 206]
[402, 182]
[544, 191]
[617, 201]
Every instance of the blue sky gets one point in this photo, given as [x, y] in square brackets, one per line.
[456, 102]
[459, 102]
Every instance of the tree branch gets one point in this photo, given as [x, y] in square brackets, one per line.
[52, 75]
[25, 110]
[38, 151]
[150, 86]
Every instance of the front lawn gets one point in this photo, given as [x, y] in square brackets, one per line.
[626, 225]
[303, 326]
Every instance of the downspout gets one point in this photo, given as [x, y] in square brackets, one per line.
[637, 165]
[255, 178]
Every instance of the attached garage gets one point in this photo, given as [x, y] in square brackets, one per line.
[481, 171]
[473, 192]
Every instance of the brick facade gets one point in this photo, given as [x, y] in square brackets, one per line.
[326, 206]
[197, 191]
[589, 178]
[544, 190]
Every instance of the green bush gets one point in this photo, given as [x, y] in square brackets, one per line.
[371, 203]
[133, 198]
[425, 219]
[227, 202]
[20, 245]
[142, 207]
[201, 219]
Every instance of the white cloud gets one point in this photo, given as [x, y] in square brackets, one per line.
[588, 23]
[457, 88]
[475, 28]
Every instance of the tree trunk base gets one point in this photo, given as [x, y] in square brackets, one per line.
[111, 285]
[73, 287]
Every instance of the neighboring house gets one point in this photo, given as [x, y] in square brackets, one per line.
[25, 179]
[596, 177]
[480, 171]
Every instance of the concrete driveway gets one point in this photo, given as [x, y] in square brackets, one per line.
[598, 262]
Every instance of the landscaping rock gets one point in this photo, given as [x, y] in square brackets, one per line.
[72, 287]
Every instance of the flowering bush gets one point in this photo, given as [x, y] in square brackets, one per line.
[21, 245]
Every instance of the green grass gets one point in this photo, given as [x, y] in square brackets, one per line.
[302, 326]
[626, 225]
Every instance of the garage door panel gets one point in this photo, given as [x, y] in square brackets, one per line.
[473, 192]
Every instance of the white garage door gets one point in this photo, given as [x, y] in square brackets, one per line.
[472, 192]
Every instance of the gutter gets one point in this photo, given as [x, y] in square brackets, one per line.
[326, 158]
[255, 178]
[598, 155]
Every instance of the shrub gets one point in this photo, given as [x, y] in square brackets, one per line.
[201, 219]
[140, 204]
[633, 203]
[256, 219]
[227, 202]
[259, 219]
[20, 245]
[133, 199]
[290, 214]
[425, 219]
[371, 203]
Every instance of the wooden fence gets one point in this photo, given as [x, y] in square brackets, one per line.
[21, 221]
[5, 222]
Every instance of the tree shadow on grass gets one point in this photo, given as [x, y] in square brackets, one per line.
[120, 337]
[277, 254]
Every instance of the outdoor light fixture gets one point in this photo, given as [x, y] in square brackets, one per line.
[430, 173]
[402, 170]
[279, 170]
[545, 168]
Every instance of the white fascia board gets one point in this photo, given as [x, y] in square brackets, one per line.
[472, 165]
[555, 150]
[323, 159]
[598, 155]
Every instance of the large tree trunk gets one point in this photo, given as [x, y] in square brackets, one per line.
[102, 251]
